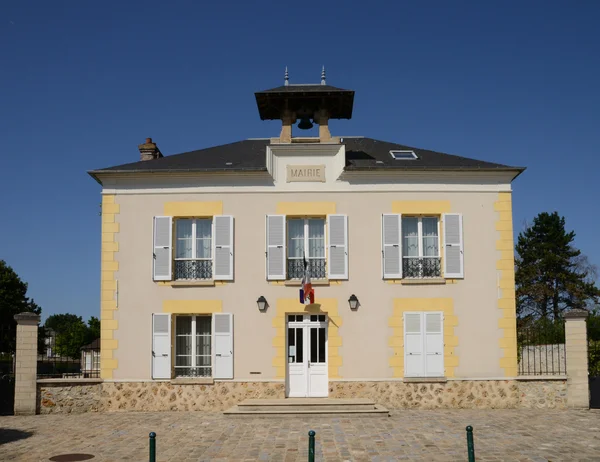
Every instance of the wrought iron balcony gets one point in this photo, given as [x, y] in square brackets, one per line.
[295, 268]
[193, 269]
[203, 371]
[426, 267]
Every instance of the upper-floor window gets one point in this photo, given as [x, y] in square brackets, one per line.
[420, 247]
[306, 237]
[193, 248]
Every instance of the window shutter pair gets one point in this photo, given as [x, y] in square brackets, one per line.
[337, 247]
[222, 357]
[391, 252]
[423, 344]
[222, 242]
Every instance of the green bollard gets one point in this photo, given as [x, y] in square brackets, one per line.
[152, 447]
[311, 446]
[470, 446]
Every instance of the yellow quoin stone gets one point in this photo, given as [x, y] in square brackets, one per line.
[306, 208]
[506, 284]
[396, 322]
[192, 306]
[193, 209]
[108, 267]
[326, 306]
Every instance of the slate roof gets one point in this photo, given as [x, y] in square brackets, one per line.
[304, 88]
[249, 155]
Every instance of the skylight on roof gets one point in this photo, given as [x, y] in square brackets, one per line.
[403, 155]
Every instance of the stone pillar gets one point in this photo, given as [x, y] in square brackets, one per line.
[287, 120]
[322, 118]
[578, 391]
[26, 363]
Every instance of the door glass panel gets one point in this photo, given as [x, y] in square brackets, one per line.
[313, 346]
[292, 344]
[321, 344]
[292, 318]
[299, 345]
[313, 318]
[299, 318]
[321, 318]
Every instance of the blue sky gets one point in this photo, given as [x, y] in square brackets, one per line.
[83, 83]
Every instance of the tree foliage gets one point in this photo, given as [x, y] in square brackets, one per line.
[552, 276]
[13, 300]
[71, 333]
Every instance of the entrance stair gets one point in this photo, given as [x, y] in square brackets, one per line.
[307, 406]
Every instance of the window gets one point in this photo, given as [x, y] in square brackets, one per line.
[420, 247]
[306, 237]
[403, 155]
[193, 249]
[193, 346]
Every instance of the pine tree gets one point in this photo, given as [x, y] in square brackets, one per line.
[552, 276]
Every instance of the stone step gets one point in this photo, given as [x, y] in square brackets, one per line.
[307, 406]
[376, 410]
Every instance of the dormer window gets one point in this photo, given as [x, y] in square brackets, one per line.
[403, 155]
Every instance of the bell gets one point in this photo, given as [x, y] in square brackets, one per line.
[305, 124]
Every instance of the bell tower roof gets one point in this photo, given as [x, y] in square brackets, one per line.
[305, 99]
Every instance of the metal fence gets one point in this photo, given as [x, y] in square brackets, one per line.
[7, 367]
[65, 361]
[541, 347]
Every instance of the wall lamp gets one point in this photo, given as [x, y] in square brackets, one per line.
[353, 302]
[262, 303]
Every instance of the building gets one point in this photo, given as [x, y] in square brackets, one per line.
[410, 254]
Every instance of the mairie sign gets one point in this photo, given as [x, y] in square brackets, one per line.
[298, 173]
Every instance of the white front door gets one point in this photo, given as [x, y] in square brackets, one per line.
[307, 374]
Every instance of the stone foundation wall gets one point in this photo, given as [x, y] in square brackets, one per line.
[457, 394]
[166, 396]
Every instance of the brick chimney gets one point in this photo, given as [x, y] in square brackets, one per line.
[149, 150]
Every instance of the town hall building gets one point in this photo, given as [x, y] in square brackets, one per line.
[409, 254]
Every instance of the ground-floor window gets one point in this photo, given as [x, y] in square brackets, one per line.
[193, 346]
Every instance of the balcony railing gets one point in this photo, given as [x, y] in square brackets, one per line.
[317, 267]
[426, 267]
[193, 269]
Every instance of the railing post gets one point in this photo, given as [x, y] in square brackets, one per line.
[152, 447]
[470, 446]
[311, 446]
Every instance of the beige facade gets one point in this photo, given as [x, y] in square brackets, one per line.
[366, 344]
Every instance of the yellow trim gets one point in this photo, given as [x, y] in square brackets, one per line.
[285, 306]
[421, 207]
[506, 284]
[396, 322]
[305, 208]
[108, 266]
[192, 306]
[193, 209]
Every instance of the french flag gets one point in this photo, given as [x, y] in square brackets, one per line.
[307, 293]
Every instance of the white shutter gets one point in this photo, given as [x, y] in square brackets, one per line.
[223, 342]
[434, 345]
[161, 346]
[453, 246]
[391, 240]
[276, 247]
[163, 241]
[413, 345]
[223, 248]
[337, 243]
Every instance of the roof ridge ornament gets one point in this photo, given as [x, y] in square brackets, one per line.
[286, 77]
[323, 76]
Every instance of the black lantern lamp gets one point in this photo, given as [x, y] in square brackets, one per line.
[262, 303]
[353, 302]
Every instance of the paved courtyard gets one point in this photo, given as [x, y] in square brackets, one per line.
[511, 435]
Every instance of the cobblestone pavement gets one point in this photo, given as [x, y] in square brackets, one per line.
[519, 435]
